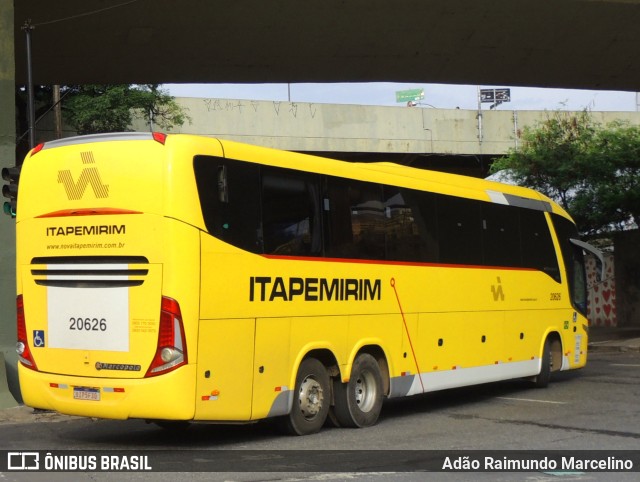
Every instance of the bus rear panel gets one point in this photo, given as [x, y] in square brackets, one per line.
[107, 281]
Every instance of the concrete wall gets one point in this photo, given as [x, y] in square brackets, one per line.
[302, 126]
[601, 306]
[7, 225]
[627, 277]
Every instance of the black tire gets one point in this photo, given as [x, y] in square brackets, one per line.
[544, 377]
[311, 399]
[358, 402]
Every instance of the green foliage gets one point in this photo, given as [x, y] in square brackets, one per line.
[100, 108]
[592, 171]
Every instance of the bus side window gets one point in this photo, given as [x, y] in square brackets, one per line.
[406, 233]
[459, 229]
[573, 261]
[291, 213]
[356, 219]
[537, 246]
[230, 201]
[338, 232]
[423, 209]
[367, 220]
[579, 288]
[500, 235]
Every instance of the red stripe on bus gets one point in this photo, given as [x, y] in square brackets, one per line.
[87, 212]
[391, 263]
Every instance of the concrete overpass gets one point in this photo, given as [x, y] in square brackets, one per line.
[563, 43]
[451, 140]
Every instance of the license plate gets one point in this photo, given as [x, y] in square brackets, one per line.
[86, 393]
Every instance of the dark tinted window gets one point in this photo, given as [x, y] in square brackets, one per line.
[407, 235]
[423, 209]
[356, 219]
[459, 230]
[230, 199]
[264, 209]
[573, 262]
[501, 235]
[537, 247]
[291, 213]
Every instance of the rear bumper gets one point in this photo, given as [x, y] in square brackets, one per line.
[165, 397]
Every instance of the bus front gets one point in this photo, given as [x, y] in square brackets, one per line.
[107, 279]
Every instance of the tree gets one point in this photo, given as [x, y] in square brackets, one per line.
[42, 103]
[100, 108]
[91, 109]
[592, 171]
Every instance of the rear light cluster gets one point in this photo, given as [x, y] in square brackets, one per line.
[22, 346]
[159, 137]
[171, 351]
[37, 149]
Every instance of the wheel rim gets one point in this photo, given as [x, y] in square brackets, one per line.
[366, 391]
[311, 397]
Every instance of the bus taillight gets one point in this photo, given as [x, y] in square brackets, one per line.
[37, 149]
[159, 137]
[171, 351]
[22, 346]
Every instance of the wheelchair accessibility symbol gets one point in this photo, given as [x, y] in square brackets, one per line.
[38, 338]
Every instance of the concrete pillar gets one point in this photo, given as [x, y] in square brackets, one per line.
[7, 225]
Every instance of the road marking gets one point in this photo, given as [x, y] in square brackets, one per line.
[532, 400]
[625, 365]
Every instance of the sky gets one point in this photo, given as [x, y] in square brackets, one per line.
[439, 96]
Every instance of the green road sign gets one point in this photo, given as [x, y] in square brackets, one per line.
[409, 95]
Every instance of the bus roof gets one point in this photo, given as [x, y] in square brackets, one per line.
[397, 174]
[382, 172]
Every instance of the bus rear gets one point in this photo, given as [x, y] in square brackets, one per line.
[107, 278]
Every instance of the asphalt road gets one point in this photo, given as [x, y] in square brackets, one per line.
[596, 408]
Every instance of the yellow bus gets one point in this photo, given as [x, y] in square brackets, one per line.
[183, 278]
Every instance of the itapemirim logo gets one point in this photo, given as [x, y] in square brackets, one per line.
[89, 176]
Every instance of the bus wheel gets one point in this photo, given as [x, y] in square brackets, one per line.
[358, 402]
[544, 377]
[311, 399]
